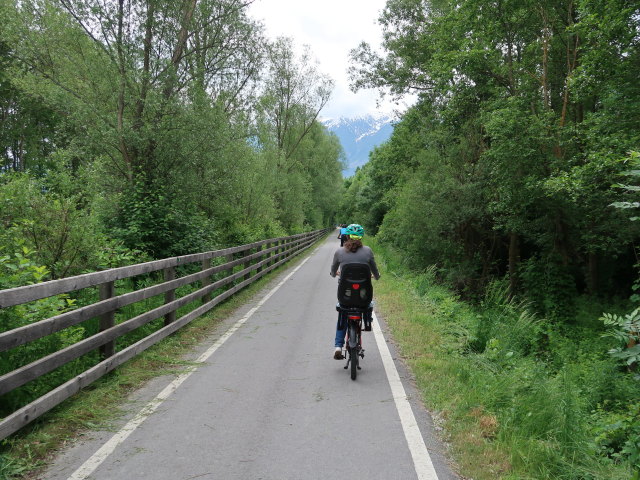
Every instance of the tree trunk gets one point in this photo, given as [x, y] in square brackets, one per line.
[124, 151]
[146, 67]
[592, 274]
[487, 262]
[178, 51]
[561, 242]
[514, 259]
[572, 62]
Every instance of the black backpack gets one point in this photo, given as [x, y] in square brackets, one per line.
[355, 288]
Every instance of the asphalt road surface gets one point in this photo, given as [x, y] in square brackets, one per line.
[269, 402]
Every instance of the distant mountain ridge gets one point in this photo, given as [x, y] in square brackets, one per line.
[359, 136]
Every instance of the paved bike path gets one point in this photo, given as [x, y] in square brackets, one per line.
[270, 403]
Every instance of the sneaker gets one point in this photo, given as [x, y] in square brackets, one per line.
[337, 355]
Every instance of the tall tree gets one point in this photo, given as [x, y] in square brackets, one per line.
[520, 102]
[127, 65]
[295, 92]
[293, 95]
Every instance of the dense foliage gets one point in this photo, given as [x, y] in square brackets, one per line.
[162, 127]
[509, 168]
[506, 162]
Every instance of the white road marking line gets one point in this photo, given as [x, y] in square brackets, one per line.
[88, 467]
[421, 458]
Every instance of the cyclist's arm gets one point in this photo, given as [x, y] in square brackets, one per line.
[374, 267]
[334, 265]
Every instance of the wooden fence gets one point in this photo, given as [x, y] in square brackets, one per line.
[255, 260]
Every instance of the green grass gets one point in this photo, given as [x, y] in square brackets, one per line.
[24, 454]
[515, 394]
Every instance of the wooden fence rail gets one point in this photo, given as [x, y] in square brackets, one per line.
[267, 255]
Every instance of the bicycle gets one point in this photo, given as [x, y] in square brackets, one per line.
[353, 340]
[355, 293]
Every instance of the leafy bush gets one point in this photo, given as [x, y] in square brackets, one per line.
[157, 224]
[18, 269]
[617, 433]
[243, 233]
[114, 254]
[61, 235]
[549, 286]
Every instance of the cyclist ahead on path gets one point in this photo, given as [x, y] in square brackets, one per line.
[352, 252]
[343, 234]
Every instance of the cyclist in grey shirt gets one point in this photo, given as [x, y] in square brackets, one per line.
[352, 252]
[361, 254]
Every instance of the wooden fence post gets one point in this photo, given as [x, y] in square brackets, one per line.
[269, 255]
[260, 258]
[170, 296]
[290, 249]
[107, 320]
[206, 264]
[274, 253]
[247, 264]
[230, 271]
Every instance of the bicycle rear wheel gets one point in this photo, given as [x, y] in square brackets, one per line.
[354, 363]
[353, 349]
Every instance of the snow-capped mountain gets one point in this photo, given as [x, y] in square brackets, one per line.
[359, 136]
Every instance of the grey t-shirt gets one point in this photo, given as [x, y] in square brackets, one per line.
[362, 255]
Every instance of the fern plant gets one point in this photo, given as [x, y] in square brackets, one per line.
[626, 330]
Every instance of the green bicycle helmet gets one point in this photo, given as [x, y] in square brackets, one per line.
[355, 231]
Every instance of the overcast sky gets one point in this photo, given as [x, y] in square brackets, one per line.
[331, 28]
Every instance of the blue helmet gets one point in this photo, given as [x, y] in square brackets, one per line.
[355, 231]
